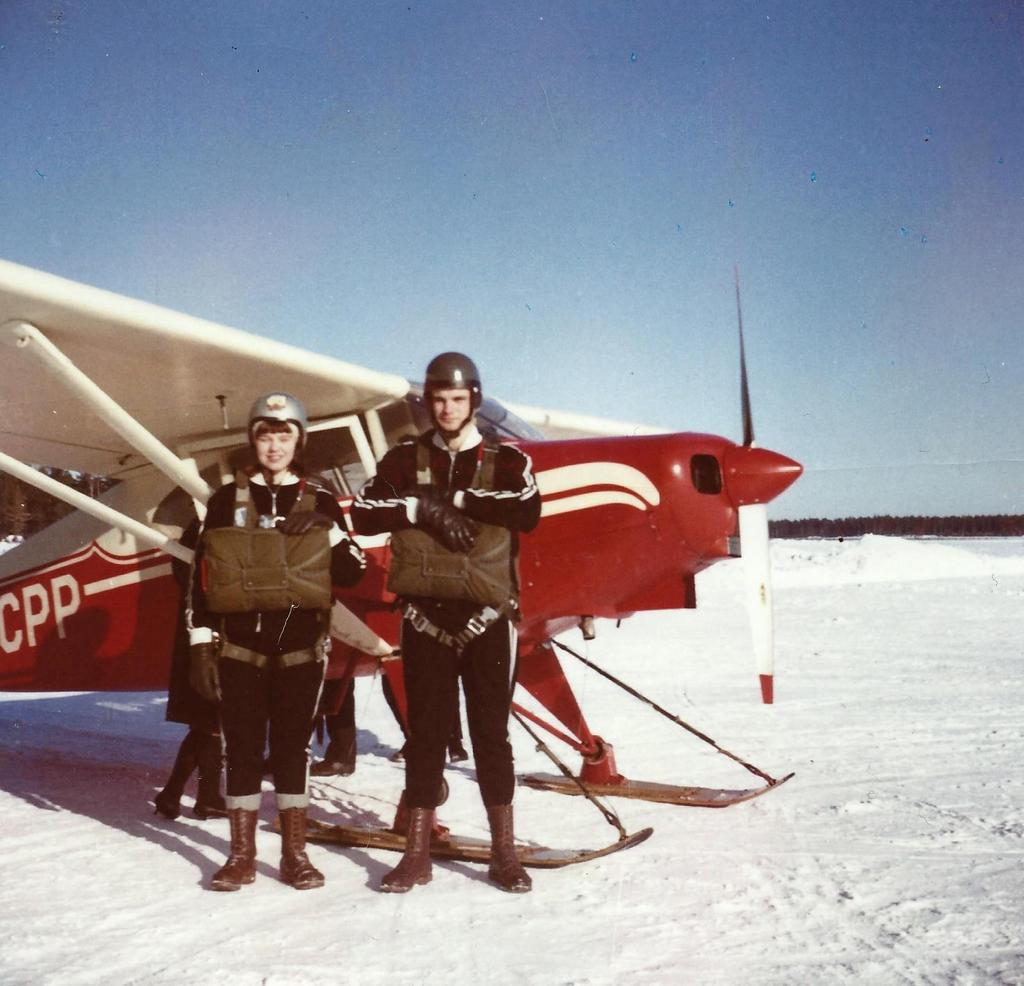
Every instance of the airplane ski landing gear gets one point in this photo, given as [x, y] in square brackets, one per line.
[463, 848]
[670, 794]
[599, 775]
[448, 845]
[599, 767]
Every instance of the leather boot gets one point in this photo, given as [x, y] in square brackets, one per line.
[209, 801]
[414, 868]
[241, 865]
[339, 757]
[439, 833]
[168, 801]
[505, 869]
[296, 869]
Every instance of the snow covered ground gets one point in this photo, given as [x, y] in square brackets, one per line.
[896, 854]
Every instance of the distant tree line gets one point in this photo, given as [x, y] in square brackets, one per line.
[25, 509]
[982, 525]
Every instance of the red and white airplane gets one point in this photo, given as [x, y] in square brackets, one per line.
[156, 399]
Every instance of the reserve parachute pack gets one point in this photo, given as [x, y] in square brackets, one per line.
[421, 566]
[249, 569]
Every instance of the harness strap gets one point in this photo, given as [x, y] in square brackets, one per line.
[475, 626]
[424, 477]
[483, 477]
[421, 624]
[306, 499]
[291, 659]
[244, 517]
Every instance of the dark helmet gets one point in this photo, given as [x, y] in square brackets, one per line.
[454, 371]
[277, 408]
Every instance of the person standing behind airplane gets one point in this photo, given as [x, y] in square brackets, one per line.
[339, 722]
[454, 504]
[271, 548]
[202, 748]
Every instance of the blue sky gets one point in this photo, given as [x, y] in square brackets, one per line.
[562, 189]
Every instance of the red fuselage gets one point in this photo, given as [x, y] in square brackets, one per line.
[626, 524]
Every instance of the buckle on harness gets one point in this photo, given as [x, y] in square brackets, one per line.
[418, 619]
[479, 622]
[475, 626]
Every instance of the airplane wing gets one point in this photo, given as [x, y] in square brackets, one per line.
[164, 368]
[171, 372]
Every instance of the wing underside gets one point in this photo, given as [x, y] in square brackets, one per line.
[179, 377]
[171, 372]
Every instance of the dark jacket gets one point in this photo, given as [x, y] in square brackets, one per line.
[513, 503]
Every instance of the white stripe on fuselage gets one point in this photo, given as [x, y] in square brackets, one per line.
[93, 549]
[129, 578]
[585, 501]
[632, 487]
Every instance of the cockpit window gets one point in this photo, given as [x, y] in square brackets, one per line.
[333, 457]
[706, 474]
[402, 419]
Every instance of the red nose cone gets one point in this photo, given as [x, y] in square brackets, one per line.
[757, 475]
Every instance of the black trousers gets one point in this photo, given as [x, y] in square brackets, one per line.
[431, 672]
[272, 703]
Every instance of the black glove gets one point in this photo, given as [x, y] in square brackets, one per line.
[304, 521]
[453, 529]
[203, 675]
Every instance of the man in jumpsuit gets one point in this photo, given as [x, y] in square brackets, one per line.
[459, 492]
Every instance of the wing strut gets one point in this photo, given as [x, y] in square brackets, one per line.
[345, 625]
[25, 336]
[33, 477]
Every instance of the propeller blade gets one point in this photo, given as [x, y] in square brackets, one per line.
[753, 520]
[757, 571]
[748, 420]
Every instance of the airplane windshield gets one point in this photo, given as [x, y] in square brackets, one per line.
[493, 419]
[496, 421]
